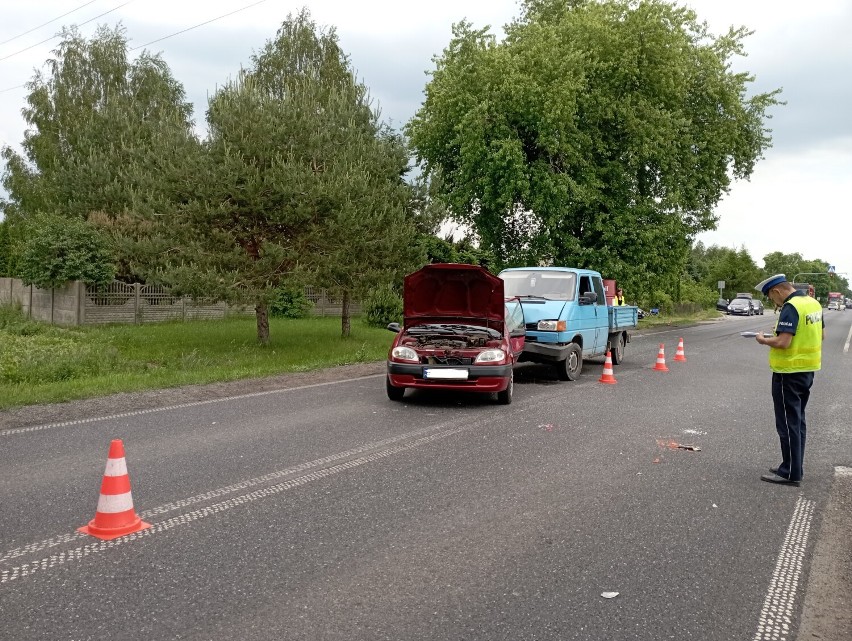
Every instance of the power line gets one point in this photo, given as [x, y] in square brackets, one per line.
[201, 24]
[47, 23]
[56, 36]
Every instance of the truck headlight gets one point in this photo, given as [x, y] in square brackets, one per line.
[552, 325]
[491, 356]
[404, 354]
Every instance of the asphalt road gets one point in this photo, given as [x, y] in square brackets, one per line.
[329, 512]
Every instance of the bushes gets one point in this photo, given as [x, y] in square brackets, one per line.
[290, 302]
[382, 306]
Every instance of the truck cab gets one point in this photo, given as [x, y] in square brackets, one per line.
[566, 316]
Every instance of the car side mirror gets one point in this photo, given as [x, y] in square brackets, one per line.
[394, 327]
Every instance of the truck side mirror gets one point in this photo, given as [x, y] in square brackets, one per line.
[588, 298]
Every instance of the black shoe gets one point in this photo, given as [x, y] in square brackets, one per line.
[774, 478]
[774, 470]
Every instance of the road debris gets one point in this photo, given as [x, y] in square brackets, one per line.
[609, 595]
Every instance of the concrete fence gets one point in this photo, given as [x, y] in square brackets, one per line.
[76, 304]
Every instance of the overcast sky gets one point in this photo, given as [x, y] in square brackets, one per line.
[796, 201]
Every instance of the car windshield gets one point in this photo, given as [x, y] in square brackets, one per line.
[540, 284]
[740, 301]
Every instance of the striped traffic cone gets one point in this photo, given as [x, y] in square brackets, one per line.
[607, 376]
[680, 355]
[660, 365]
[115, 516]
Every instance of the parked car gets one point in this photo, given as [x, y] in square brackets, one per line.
[722, 305]
[757, 306]
[741, 307]
[458, 333]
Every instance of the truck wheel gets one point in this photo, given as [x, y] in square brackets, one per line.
[505, 397]
[616, 348]
[570, 368]
[394, 393]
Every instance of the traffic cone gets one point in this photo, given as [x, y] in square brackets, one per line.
[115, 516]
[660, 366]
[680, 355]
[607, 376]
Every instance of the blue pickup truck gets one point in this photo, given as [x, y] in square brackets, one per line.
[567, 318]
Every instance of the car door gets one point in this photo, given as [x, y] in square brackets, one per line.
[587, 315]
[601, 315]
[515, 327]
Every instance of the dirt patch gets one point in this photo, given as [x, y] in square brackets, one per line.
[151, 399]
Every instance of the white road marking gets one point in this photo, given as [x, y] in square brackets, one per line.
[82, 421]
[848, 338]
[777, 613]
[228, 489]
[60, 558]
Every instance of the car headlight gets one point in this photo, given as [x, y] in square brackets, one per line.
[552, 325]
[404, 354]
[491, 356]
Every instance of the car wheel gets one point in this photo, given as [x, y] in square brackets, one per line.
[616, 349]
[505, 397]
[394, 393]
[570, 368]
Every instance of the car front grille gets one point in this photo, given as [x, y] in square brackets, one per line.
[446, 360]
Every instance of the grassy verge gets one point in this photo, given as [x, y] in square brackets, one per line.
[679, 319]
[40, 363]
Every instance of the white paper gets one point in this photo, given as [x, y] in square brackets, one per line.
[609, 595]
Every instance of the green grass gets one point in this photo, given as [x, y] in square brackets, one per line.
[41, 363]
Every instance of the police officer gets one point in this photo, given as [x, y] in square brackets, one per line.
[618, 299]
[795, 353]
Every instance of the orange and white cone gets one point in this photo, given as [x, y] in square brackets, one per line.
[607, 376]
[115, 515]
[660, 365]
[680, 355]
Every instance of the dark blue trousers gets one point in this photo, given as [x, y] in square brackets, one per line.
[790, 393]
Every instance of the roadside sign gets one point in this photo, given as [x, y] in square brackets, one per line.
[721, 284]
[831, 269]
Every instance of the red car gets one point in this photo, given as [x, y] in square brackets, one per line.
[458, 333]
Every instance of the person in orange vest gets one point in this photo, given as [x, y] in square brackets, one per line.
[618, 299]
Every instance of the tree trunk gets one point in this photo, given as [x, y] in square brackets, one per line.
[345, 325]
[262, 314]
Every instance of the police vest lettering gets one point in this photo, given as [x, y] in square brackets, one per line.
[805, 351]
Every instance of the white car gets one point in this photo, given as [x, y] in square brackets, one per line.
[834, 305]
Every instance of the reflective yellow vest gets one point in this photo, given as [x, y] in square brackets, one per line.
[805, 351]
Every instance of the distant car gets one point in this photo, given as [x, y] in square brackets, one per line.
[834, 305]
[459, 333]
[722, 305]
[757, 306]
[741, 307]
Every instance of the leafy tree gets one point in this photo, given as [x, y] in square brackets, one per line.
[5, 249]
[298, 181]
[61, 249]
[105, 136]
[598, 134]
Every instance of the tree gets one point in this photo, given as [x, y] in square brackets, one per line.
[298, 180]
[105, 136]
[59, 249]
[598, 134]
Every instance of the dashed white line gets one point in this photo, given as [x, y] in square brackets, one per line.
[60, 558]
[82, 421]
[777, 613]
[242, 485]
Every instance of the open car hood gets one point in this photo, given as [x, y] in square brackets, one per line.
[454, 293]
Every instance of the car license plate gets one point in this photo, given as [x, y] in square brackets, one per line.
[446, 374]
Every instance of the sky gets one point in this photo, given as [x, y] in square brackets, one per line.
[797, 199]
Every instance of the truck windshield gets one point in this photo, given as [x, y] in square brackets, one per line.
[540, 284]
